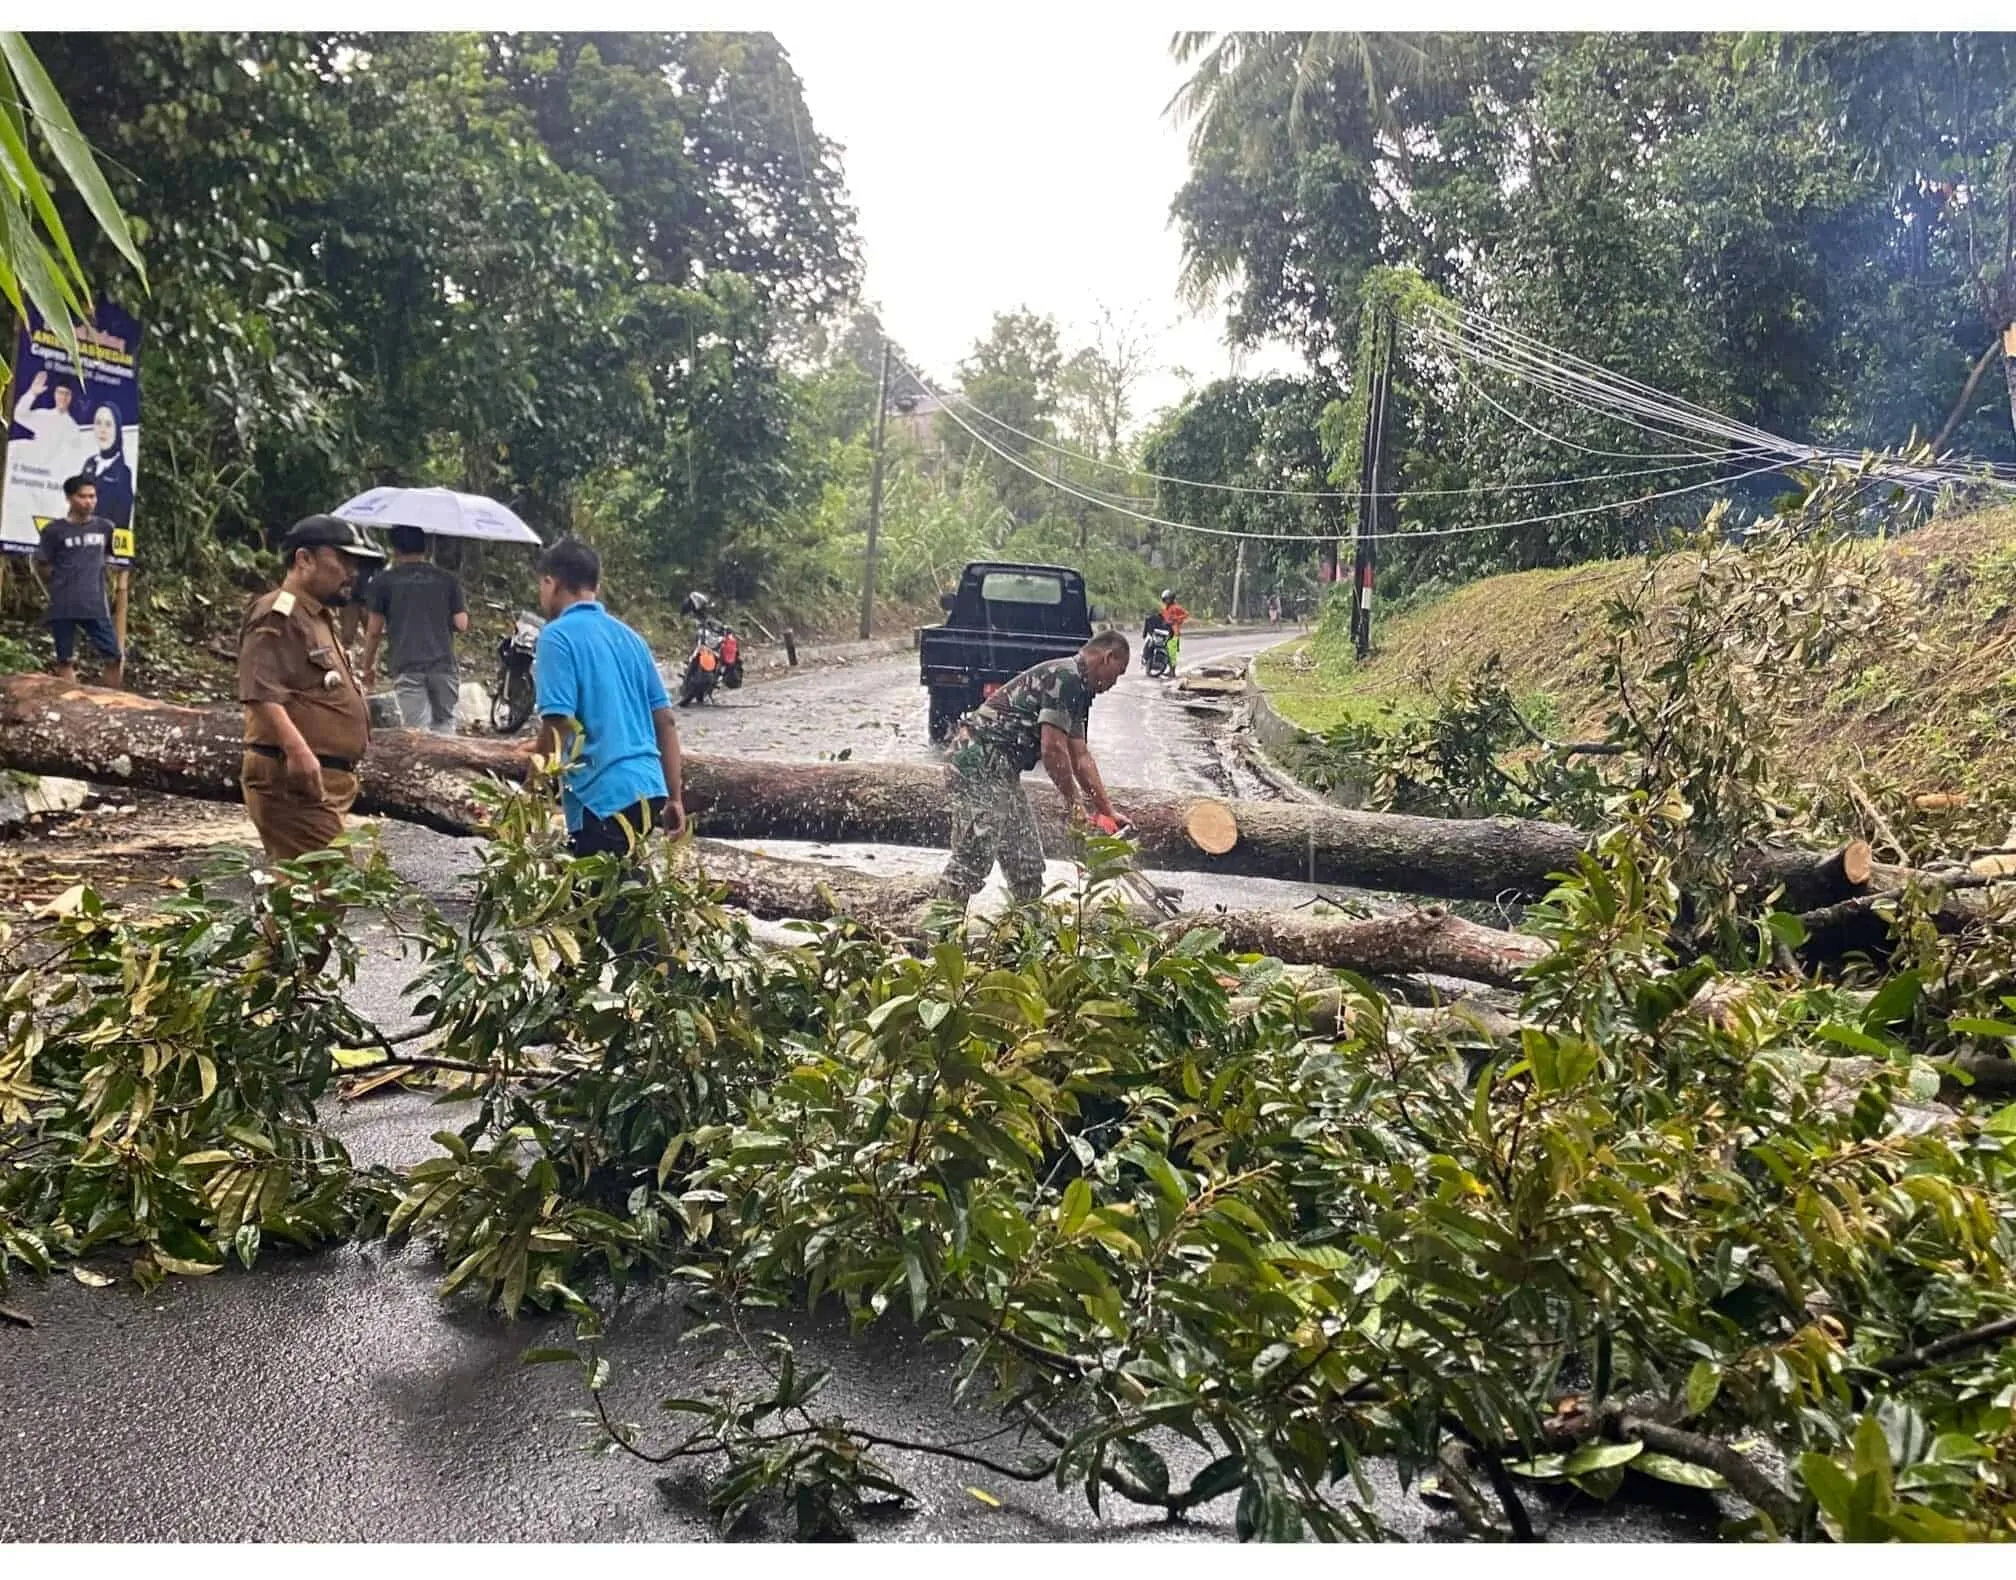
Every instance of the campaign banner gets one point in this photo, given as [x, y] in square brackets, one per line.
[64, 427]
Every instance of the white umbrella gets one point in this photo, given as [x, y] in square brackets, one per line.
[440, 511]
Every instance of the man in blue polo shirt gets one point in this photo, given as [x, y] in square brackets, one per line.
[595, 679]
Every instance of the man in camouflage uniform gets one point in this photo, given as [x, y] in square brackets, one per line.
[1039, 716]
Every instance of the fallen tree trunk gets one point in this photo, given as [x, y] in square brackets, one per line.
[1428, 941]
[116, 737]
[1861, 924]
[782, 890]
[48, 726]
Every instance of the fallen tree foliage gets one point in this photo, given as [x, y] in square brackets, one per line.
[1136, 1200]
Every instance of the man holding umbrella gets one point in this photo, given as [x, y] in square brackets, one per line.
[437, 513]
[420, 606]
[306, 721]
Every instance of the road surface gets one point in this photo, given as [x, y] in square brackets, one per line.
[334, 1397]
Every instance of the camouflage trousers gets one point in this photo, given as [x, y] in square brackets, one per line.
[991, 820]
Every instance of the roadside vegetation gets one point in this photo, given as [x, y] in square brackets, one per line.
[1914, 716]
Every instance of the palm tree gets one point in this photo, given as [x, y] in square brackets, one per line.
[1228, 64]
[38, 265]
[1361, 88]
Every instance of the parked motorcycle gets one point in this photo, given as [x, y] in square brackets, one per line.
[716, 660]
[511, 697]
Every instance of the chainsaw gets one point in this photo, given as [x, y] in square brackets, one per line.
[1131, 877]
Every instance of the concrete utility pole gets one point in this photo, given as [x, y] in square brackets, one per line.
[1238, 578]
[1371, 470]
[2009, 366]
[874, 503]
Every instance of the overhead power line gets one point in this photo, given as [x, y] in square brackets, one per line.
[1070, 454]
[1456, 348]
[1478, 338]
[1484, 340]
[1675, 461]
[1306, 537]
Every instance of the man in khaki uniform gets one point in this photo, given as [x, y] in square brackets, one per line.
[306, 721]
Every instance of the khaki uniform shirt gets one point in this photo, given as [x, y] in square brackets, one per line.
[289, 652]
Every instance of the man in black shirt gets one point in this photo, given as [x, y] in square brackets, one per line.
[421, 605]
[74, 550]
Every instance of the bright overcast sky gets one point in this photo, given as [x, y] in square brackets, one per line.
[997, 170]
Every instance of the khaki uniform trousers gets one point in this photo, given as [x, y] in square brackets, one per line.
[290, 823]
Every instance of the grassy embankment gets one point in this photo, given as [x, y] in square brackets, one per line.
[1936, 712]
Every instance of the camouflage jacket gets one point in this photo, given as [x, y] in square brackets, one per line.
[1055, 692]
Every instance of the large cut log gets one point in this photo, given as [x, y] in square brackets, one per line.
[48, 726]
[1428, 942]
[119, 738]
[782, 890]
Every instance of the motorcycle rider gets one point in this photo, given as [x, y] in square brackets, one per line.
[1173, 615]
[1157, 625]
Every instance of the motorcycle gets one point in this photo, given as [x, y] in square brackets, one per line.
[511, 696]
[716, 660]
[1155, 654]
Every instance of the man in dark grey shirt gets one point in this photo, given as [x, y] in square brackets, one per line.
[74, 550]
[421, 605]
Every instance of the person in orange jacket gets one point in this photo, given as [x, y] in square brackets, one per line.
[1175, 614]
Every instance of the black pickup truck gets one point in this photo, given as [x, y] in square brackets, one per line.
[1002, 619]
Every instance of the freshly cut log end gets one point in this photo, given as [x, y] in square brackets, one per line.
[1211, 826]
[1809, 880]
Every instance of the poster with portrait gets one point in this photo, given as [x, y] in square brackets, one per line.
[64, 426]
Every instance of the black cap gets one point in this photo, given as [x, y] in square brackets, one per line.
[328, 532]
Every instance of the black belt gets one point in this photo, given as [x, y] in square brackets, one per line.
[341, 765]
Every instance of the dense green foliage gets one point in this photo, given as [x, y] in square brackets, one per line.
[612, 278]
[158, 1085]
[559, 268]
[1815, 234]
[1142, 1208]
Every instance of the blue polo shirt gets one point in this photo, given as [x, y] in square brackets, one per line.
[592, 668]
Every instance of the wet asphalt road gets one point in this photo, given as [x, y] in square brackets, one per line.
[334, 1397]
